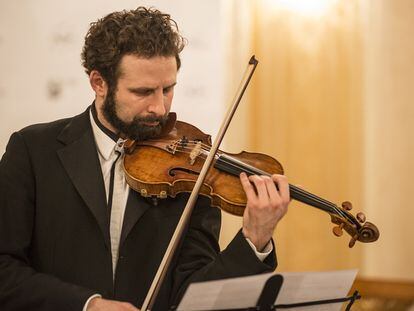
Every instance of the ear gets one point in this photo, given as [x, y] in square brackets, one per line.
[98, 83]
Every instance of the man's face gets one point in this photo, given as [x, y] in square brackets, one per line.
[139, 105]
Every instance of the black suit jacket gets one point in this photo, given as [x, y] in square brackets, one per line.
[54, 229]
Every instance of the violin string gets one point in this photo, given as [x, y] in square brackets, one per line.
[296, 189]
[187, 146]
[306, 194]
[178, 143]
[329, 205]
[302, 192]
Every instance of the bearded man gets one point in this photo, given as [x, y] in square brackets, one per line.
[73, 236]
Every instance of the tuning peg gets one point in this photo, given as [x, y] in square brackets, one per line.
[361, 217]
[347, 205]
[338, 230]
[353, 240]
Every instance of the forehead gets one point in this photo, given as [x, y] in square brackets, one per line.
[151, 72]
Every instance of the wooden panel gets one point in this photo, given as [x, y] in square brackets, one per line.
[385, 289]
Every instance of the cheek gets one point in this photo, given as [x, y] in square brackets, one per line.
[129, 106]
[168, 101]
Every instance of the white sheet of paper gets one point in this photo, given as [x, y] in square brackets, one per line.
[302, 287]
[244, 292]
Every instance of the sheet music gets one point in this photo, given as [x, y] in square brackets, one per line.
[301, 287]
[244, 292]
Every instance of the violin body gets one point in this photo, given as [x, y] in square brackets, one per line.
[172, 164]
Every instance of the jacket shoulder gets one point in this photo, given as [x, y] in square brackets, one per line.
[44, 128]
[44, 133]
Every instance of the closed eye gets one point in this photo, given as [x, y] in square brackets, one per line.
[167, 89]
[146, 91]
[142, 91]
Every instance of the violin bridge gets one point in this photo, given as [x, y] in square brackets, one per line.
[173, 146]
[195, 153]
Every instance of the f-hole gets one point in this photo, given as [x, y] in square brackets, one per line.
[172, 171]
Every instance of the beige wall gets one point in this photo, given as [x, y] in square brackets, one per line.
[305, 110]
[332, 101]
[297, 109]
[389, 138]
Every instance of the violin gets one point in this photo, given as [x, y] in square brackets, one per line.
[163, 167]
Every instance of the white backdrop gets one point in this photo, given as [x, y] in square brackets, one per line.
[42, 79]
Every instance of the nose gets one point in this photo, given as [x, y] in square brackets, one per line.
[157, 105]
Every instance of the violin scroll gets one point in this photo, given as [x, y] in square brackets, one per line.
[356, 227]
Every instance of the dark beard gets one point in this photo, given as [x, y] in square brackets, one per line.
[136, 129]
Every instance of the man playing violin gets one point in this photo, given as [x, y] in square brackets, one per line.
[73, 236]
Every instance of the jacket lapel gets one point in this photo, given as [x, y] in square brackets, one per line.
[135, 208]
[80, 160]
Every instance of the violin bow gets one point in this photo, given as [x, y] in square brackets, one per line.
[185, 216]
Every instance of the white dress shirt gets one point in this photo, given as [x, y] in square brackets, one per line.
[108, 153]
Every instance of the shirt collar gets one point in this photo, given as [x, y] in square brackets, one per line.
[105, 139]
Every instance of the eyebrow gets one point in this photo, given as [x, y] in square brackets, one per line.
[147, 89]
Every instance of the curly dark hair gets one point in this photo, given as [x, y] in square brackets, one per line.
[145, 32]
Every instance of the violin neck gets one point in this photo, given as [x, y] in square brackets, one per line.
[312, 200]
[235, 167]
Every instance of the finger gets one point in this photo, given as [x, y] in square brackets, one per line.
[247, 186]
[274, 195]
[282, 185]
[260, 184]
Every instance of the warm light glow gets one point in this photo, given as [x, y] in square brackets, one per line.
[306, 7]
